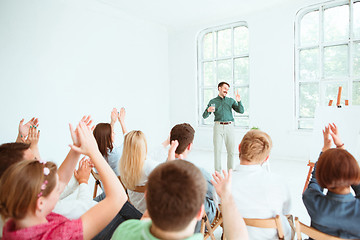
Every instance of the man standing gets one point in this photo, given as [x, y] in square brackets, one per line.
[224, 123]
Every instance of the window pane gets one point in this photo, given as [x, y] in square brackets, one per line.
[241, 40]
[224, 43]
[241, 70]
[306, 124]
[308, 99]
[336, 23]
[209, 77]
[356, 54]
[356, 93]
[244, 94]
[224, 71]
[331, 92]
[336, 61]
[310, 28]
[357, 20]
[208, 46]
[242, 122]
[309, 64]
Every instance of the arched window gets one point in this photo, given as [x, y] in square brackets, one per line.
[327, 55]
[223, 55]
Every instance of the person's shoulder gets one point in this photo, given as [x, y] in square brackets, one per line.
[130, 229]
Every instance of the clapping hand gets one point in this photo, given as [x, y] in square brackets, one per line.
[24, 128]
[114, 116]
[83, 140]
[121, 115]
[83, 173]
[87, 121]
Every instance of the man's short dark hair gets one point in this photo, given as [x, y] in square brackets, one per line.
[175, 193]
[222, 83]
[11, 153]
[184, 133]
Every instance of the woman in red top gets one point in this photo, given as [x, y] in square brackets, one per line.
[29, 191]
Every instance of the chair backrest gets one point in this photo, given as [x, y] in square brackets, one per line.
[207, 228]
[97, 181]
[311, 166]
[267, 223]
[139, 189]
[312, 232]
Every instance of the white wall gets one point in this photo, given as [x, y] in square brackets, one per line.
[62, 59]
[271, 78]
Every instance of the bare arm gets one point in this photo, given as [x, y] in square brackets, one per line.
[114, 116]
[66, 169]
[234, 225]
[96, 218]
[121, 118]
[33, 140]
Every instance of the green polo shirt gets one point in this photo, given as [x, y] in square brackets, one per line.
[138, 229]
[223, 108]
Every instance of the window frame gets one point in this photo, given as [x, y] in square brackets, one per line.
[349, 79]
[215, 59]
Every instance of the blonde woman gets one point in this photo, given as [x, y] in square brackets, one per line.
[135, 167]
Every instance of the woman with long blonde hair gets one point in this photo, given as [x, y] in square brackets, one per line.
[135, 167]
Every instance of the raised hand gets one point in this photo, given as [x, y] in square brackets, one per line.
[173, 146]
[114, 116]
[336, 136]
[221, 184]
[24, 128]
[121, 115]
[82, 175]
[237, 96]
[87, 121]
[327, 140]
[84, 140]
[33, 136]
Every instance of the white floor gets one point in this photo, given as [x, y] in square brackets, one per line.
[293, 172]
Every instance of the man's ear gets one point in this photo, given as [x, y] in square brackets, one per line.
[200, 213]
[189, 147]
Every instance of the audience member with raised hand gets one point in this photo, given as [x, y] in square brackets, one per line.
[30, 189]
[174, 196]
[105, 137]
[234, 225]
[338, 212]
[181, 137]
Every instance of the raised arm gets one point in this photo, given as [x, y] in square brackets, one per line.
[121, 118]
[114, 116]
[237, 105]
[234, 225]
[96, 218]
[33, 140]
[66, 169]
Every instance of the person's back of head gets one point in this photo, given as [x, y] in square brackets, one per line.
[184, 134]
[103, 137]
[11, 153]
[175, 194]
[337, 168]
[133, 158]
[255, 147]
[22, 184]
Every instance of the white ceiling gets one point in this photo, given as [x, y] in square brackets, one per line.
[177, 13]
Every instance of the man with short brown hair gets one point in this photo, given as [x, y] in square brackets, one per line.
[174, 196]
[221, 106]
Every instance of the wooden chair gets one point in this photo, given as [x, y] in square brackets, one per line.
[267, 223]
[97, 181]
[211, 227]
[311, 166]
[312, 232]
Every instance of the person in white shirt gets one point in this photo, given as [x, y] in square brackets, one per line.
[259, 193]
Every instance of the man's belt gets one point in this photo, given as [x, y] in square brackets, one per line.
[225, 123]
